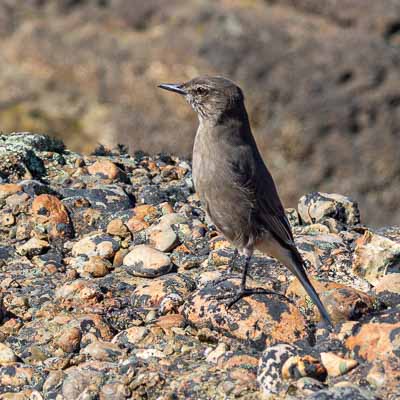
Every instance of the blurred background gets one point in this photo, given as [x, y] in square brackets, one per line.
[321, 78]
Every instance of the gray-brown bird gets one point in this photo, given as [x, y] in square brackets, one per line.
[233, 183]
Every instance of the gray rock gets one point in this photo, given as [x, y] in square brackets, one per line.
[316, 207]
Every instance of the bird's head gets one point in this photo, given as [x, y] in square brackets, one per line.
[211, 97]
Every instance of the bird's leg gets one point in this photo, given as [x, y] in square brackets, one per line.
[232, 261]
[244, 291]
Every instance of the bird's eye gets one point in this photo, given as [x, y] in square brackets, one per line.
[201, 91]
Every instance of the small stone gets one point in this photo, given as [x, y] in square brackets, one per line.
[171, 321]
[163, 237]
[70, 340]
[336, 365]
[117, 228]
[7, 219]
[375, 256]
[96, 245]
[7, 189]
[105, 169]
[215, 354]
[114, 391]
[317, 206]
[376, 375]
[49, 211]
[146, 262]
[388, 283]
[32, 247]
[103, 351]
[97, 267]
[298, 366]
[131, 335]
[6, 355]
[173, 218]
[308, 386]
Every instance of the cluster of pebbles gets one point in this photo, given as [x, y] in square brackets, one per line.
[110, 275]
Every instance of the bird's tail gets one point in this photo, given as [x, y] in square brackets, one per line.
[297, 269]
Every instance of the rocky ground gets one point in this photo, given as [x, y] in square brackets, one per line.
[321, 81]
[107, 279]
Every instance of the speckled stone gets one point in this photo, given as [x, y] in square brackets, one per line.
[147, 262]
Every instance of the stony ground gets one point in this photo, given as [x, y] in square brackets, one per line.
[108, 278]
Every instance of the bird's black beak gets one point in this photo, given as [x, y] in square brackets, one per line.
[173, 87]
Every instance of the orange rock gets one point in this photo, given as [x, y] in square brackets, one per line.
[105, 168]
[263, 319]
[375, 341]
[342, 302]
[171, 321]
[50, 211]
[6, 189]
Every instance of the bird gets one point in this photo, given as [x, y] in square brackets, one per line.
[233, 183]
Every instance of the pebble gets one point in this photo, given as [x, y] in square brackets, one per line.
[336, 365]
[105, 169]
[70, 340]
[103, 351]
[147, 262]
[6, 355]
[97, 267]
[32, 247]
[162, 237]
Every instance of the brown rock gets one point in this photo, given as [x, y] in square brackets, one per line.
[375, 256]
[7, 219]
[336, 365]
[342, 302]
[151, 294]
[97, 267]
[388, 283]
[7, 189]
[298, 366]
[49, 211]
[171, 321]
[103, 351]
[6, 355]
[163, 238]
[260, 319]
[70, 340]
[105, 169]
[118, 228]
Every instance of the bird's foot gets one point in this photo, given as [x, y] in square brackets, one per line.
[244, 292]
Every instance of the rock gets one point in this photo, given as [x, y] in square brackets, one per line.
[388, 283]
[375, 341]
[6, 355]
[171, 321]
[105, 169]
[349, 392]
[316, 207]
[173, 218]
[163, 238]
[97, 267]
[78, 290]
[296, 367]
[49, 211]
[152, 293]
[218, 352]
[97, 244]
[103, 351]
[117, 228]
[115, 391]
[270, 365]
[342, 302]
[32, 247]
[336, 365]
[147, 262]
[131, 336]
[260, 319]
[376, 256]
[376, 375]
[307, 386]
[70, 340]
[7, 189]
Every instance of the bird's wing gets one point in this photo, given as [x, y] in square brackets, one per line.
[267, 213]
